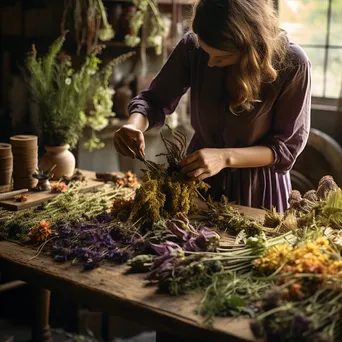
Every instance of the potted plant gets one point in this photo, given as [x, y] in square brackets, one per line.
[62, 95]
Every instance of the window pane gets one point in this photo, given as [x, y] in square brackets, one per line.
[336, 23]
[304, 20]
[334, 73]
[316, 56]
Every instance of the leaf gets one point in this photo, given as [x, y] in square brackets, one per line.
[49, 60]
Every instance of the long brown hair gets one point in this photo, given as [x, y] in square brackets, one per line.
[251, 28]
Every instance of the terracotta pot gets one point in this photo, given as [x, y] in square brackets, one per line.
[5, 177]
[61, 157]
[5, 150]
[6, 163]
[25, 141]
[5, 188]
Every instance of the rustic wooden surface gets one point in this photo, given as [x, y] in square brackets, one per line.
[36, 198]
[111, 289]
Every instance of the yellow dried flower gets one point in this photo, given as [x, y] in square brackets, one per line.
[307, 257]
[273, 258]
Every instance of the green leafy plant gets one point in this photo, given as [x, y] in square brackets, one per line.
[63, 94]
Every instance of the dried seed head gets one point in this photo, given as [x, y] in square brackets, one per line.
[295, 195]
[272, 218]
[325, 178]
[311, 195]
[289, 223]
[327, 185]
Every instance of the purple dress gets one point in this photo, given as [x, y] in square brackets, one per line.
[281, 121]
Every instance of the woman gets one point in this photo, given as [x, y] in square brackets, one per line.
[250, 102]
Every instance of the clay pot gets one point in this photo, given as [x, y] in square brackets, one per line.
[5, 188]
[61, 157]
[25, 160]
[5, 150]
[5, 177]
[25, 141]
[6, 165]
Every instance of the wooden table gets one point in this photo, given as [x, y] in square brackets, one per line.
[111, 290]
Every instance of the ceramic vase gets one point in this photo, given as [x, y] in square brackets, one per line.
[61, 157]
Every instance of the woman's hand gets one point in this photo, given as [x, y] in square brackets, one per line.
[204, 163]
[210, 161]
[129, 141]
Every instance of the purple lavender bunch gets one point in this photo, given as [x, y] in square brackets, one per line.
[90, 243]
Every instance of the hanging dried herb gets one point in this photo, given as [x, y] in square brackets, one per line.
[90, 23]
[147, 14]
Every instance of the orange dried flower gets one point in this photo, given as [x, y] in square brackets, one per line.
[59, 187]
[120, 182]
[21, 198]
[131, 179]
[40, 232]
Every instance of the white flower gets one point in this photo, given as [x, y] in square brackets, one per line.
[68, 81]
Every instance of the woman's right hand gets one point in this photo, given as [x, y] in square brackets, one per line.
[129, 141]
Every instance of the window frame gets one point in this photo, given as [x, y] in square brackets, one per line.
[324, 101]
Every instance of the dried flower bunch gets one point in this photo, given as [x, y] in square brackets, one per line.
[223, 216]
[92, 242]
[59, 187]
[40, 232]
[164, 191]
[71, 206]
[320, 209]
[305, 303]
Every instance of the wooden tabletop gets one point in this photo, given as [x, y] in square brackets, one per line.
[110, 289]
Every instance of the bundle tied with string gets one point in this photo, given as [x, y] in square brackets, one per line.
[164, 190]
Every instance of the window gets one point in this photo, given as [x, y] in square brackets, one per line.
[316, 25]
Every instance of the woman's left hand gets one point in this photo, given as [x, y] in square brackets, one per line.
[204, 163]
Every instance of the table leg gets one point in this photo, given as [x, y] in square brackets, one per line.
[41, 330]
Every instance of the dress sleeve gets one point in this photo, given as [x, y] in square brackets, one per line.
[291, 119]
[167, 88]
